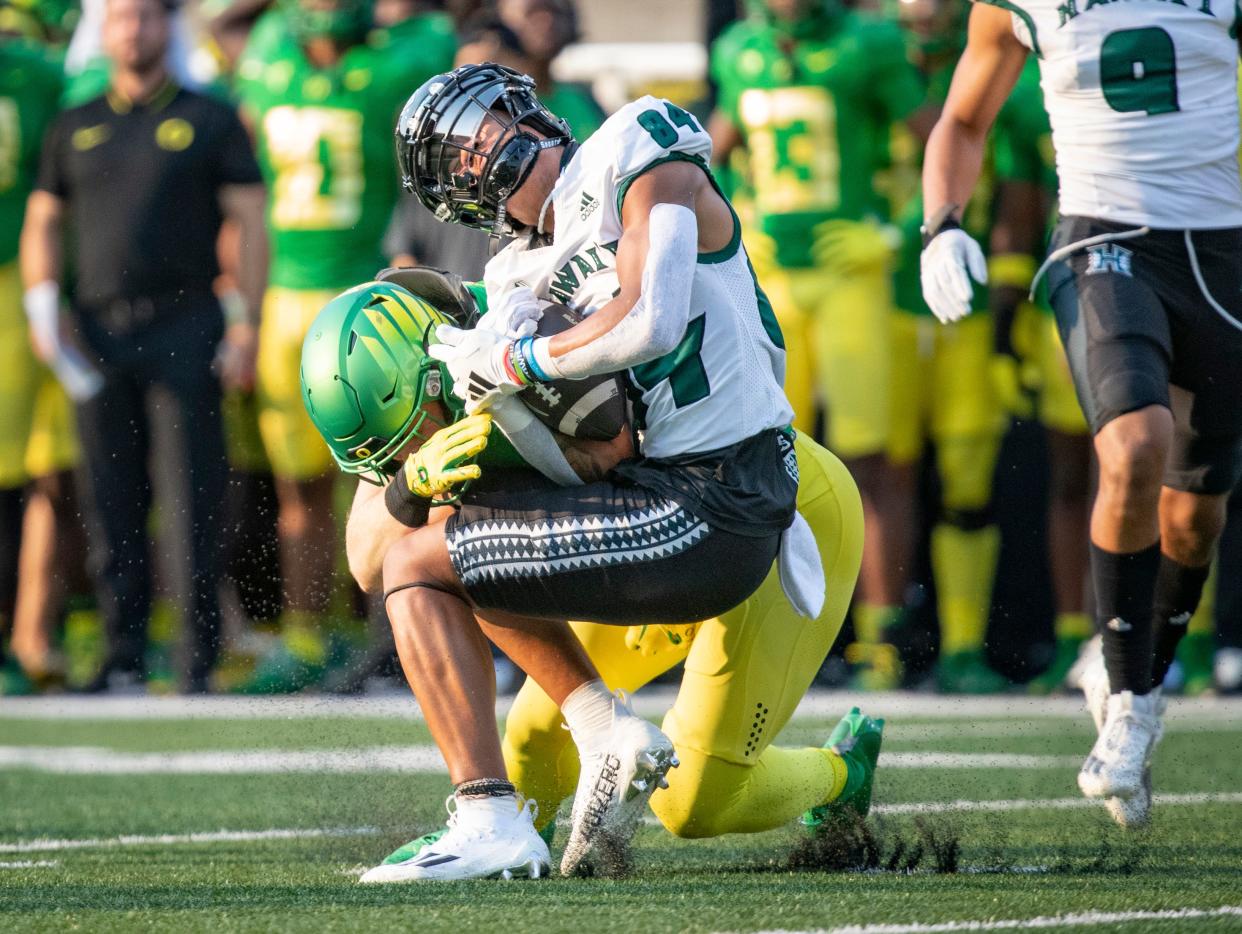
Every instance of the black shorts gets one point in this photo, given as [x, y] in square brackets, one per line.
[606, 552]
[1157, 320]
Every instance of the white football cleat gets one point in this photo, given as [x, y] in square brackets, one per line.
[478, 845]
[1123, 749]
[614, 785]
[1093, 679]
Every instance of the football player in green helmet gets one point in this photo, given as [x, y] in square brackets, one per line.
[367, 381]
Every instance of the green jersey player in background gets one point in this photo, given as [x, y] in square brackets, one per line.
[811, 88]
[1031, 357]
[38, 442]
[940, 392]
[1143, 278]
[321, 89]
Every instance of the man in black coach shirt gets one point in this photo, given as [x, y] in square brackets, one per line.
[145, 175]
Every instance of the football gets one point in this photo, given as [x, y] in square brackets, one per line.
[592, 408]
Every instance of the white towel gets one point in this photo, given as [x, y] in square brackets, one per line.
[801, 569]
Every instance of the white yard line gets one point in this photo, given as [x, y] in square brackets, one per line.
[1053, 804]
[30, 864]
[649, 702]
[245, 836]
[168, 839]
[1042, 923]
[97, 760]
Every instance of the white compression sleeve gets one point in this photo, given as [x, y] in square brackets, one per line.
[658, 319]
[532, 440]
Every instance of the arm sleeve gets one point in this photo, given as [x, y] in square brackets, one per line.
[658, 320]
[236, 164]
[52, 177]
[532, 440]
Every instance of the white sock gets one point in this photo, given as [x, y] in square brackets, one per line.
[490, 808]
[589, 711]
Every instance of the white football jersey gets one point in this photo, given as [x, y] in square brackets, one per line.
[1143, 100]
[724, 382]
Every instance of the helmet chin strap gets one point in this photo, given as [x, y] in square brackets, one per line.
[543, 211]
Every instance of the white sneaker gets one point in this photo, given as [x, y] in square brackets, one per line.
[1134, 812]
[1122, 751]
[479, 844]
[1093, 679]
[613, 787]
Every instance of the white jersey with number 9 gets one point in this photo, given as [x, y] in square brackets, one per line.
[1143, 100]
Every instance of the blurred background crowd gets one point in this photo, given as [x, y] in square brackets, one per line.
[184, 185]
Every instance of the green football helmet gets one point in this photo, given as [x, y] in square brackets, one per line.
[342, 20]
[367, 377]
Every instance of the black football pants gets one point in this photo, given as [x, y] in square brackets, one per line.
[173, 351]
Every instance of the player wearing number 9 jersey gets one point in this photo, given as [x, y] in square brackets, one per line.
[320, 88]
[1143, 278]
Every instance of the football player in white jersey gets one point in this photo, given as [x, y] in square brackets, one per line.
[629, 229]
[1143, 274]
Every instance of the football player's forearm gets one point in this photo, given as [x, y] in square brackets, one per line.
[369, 532]
[982, 81]
[950, 168]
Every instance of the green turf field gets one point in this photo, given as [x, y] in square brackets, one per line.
[232, 819]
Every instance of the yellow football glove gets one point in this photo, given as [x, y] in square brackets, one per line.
[437, 466]
[845, 248]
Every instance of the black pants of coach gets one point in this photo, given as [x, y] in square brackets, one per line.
[141, 347]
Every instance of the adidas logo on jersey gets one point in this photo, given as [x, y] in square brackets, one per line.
[588, 206]
[1109, 257]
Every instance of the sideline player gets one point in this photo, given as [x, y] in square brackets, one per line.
[746, 670]
[810, 87]
[941, 391]
[1026, 341]
[321, 89]
[38, 440]
[1143, 279]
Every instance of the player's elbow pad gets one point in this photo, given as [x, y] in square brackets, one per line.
[657, 322]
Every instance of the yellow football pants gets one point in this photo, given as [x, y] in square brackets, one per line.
[294, 447]
[1058, 402]
[745, 672]
[837, 351]
[38, 436]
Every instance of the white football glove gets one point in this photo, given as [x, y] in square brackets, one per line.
[516, 315]
[476, 364]
[947, 265]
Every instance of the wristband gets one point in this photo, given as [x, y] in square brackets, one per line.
[938, 223]
[514, 366]
[525, 348]
[539, 354]
[404, 505]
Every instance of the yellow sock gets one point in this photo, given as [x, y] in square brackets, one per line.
[871, 622]
[840, 772]
[1204, 620]
[1072, 626]
[302, 634]
[964, 562]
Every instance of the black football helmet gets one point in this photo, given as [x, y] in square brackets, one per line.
[464, 146]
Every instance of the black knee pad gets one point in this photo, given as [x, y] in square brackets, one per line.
[970, 520]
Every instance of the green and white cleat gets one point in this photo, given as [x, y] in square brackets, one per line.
[856, 739]
[474, 845]
[408, 851]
